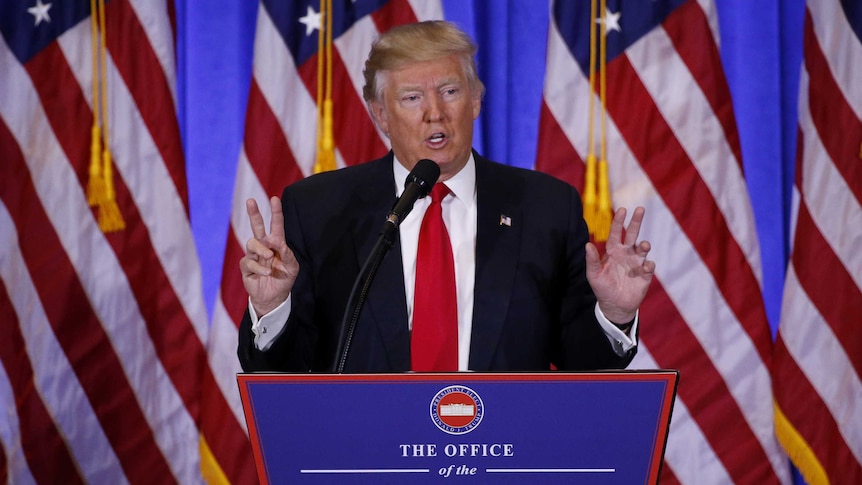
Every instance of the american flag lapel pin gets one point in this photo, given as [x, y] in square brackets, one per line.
[505, 220]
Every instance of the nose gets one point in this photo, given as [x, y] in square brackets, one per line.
[433, 109]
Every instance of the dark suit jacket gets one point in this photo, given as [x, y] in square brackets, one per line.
[533, 306]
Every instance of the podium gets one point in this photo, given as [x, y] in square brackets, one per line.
[556, 427]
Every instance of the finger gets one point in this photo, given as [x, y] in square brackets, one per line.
[649, 267]
[258, 229]
[258, 249]
[643, 248]
[250, 267]
[634, 227]
[276, 222]
[592, 258]
[286, 262]
[615, 235]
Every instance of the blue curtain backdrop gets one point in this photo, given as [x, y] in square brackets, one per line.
[761, 51]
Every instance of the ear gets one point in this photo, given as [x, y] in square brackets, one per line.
[378, 114]
[477, 106]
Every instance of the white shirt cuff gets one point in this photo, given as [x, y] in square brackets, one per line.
[621, 342]
[268, 327]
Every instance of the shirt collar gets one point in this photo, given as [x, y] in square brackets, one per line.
[462, 184]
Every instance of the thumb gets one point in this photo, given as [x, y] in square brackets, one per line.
[592, 257]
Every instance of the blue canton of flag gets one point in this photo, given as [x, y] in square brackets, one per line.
[623, 30]
[28, 28]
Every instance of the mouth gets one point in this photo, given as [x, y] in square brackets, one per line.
[436, 139]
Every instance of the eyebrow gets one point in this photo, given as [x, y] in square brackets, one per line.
[442, 83]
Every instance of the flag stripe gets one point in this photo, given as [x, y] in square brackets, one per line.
[561, 161]
[834, 455]
[355, 135]
[839, 36]
[696, 460]
[146, 81]
[137, 162]
[829, 108]
[221, 423]
[266, 146]
[817, 361]
[41, 440]
[13, 464]
[102, 379]
[710, 402]
[688, 29]
[395, 12]
[61, 101]
[658, 65]
[235, 307]
[55, 378]
[688, 199]
[181, 351]
[678, 155]
[834, 210]
[122, 315]
[829, 287]
[156, 21]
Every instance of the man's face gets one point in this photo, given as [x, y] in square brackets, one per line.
[427, 110]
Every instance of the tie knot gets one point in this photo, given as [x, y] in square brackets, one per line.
[438, 192]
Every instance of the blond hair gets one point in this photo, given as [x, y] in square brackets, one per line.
[419, 42]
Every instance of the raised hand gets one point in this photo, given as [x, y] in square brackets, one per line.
[622, 277]
[269, 267]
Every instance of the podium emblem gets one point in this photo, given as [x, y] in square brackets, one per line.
[457, 410]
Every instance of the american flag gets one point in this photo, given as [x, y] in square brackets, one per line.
[818, 354]
[102, 335]
[673, 148]
[279, 148]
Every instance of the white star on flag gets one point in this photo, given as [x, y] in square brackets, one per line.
[311, 21]
[40, 12]
[611, 20]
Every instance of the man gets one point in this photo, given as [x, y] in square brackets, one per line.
[531, 292]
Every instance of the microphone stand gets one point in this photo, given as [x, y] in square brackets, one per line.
[359, 293]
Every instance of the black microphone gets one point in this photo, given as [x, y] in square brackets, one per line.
[417, 185]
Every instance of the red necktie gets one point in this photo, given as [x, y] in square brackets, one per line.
[434, 342]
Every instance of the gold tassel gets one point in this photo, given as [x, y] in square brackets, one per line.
[602, 217]
[590, 192]
[601, 227]
[110, 217]
[96, 185]
[590, 174]
[325, 138]
[100, 188]
[326, 146]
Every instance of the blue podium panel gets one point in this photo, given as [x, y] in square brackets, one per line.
[585, 428]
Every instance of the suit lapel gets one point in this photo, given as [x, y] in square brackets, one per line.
[386, 305]
[498, 241]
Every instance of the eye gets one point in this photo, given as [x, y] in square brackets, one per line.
[450, 92]
[410, 100]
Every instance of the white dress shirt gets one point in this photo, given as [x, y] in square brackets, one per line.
[460, 218]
